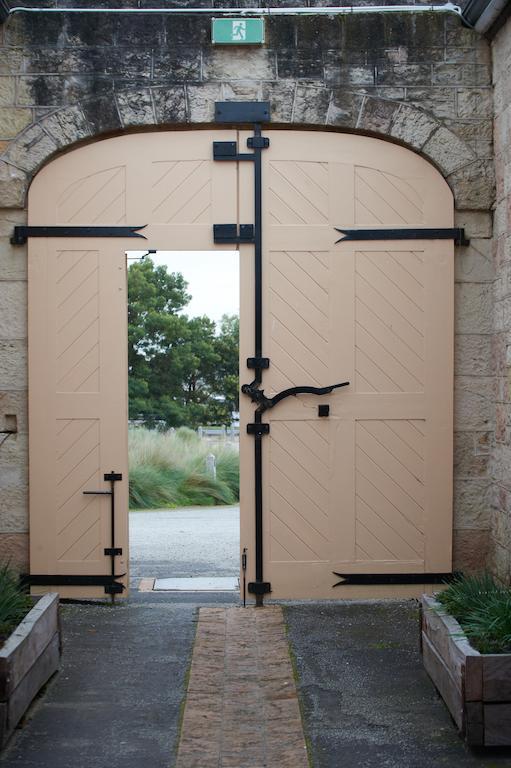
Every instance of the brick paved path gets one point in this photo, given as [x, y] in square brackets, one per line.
[242, 706]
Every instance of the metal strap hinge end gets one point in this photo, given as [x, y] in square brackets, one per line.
[228, 233]
[258, 430]
[348, 579]
[258, 362]
[259, 587]
[112, 551]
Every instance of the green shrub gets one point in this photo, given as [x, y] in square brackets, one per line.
[14, 603]
[169, 470]
[483, 609]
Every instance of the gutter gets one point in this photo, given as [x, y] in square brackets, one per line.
[484, 15]
[6, 11]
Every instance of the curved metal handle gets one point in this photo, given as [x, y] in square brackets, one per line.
[264, 403]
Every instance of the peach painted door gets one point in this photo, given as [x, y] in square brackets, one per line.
[78, 329]
[369, 488]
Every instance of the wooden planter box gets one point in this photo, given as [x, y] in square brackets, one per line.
[28, 659]
[475, 687]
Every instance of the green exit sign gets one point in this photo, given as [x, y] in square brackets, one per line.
[237, 31]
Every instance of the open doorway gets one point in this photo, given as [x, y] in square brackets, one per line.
[183, 341]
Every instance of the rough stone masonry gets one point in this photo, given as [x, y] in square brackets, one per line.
[423, 80]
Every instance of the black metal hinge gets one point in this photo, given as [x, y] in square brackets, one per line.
[75, 580]
[22, 233]
[348, 579]
[258, 429]
[259, 587]
[456, 234]
[244, 112]
[258, 363]
[228, 233]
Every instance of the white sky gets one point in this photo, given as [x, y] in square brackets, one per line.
[212, 277]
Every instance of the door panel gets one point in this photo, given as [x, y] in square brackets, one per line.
[368, 489]
[78, 328]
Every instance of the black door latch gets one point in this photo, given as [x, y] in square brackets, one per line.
[264, 403]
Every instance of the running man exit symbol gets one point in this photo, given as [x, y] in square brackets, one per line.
[237, 31]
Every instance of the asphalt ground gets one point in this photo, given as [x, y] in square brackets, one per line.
[117, 701]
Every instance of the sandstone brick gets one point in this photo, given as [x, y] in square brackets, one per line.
[473, 402]
[412, 126]
[13, 403]
[473, 303]
[13, 186]
[14, 512]
[31, 149]
[282, 95]
[14, 461]
[344, 109]
[14, 550]
[477, 223]
[7, 91]
[13, 120]
[221, 64]
[470, 550]
[13, 262]
[13, 309]
[473, 355]
[474, 102]
[469, 462]
[201, 102]
[310, 105]
[13, 364]
[377, 115]
[500, 561]
[474, 185]
[241, 91]
[67, 126]
[472, 500]
[136, 107]
[437, 100]
[447, 150]
[475, 263]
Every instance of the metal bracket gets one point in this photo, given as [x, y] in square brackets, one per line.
[242, 112]
[323, 410]
[258, 429]
[349, 579]
[258, 362]
[228, 233]
[457, 234]
[112, 551]
[22, 233]
[259, 587]
[113, 477]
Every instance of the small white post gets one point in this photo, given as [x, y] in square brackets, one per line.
[211, 465]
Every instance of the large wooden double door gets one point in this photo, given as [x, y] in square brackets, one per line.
[366, 489]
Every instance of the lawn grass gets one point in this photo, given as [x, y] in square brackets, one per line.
[169, 470]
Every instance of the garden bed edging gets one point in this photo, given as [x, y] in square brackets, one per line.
[30, 656]
[475, 687]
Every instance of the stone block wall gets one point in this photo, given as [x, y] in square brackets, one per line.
[423, 80]
[500, 542]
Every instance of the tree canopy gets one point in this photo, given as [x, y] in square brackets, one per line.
[181, 370]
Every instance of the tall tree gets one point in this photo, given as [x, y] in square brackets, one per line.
[180, 371]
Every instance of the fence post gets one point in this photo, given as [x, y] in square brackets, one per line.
[211, 465]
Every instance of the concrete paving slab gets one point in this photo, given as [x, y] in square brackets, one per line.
[198, 584]
[366, 698]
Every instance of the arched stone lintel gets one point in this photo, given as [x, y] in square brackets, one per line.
[295, 104]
